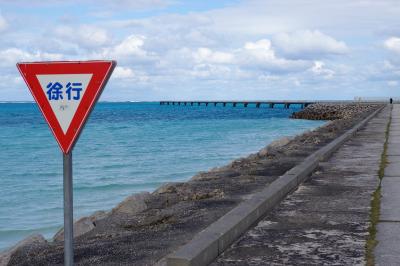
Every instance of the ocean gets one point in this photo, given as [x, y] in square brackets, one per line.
[124, 148]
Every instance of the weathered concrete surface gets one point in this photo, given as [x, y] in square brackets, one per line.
[390, 209]
[387, 252]
[325, 221]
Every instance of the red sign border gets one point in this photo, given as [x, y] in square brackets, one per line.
[101, 71]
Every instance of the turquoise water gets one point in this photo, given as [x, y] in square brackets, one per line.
[124, 148]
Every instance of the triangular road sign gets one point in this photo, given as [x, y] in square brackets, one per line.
[66, 92]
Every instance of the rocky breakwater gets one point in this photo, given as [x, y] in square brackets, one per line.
[330, 111]
[145, 227]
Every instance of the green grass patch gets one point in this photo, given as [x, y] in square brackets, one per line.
[376, 203]
[374, 219]
[384, 160]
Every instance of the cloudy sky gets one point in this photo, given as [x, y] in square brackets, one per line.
[175, 49]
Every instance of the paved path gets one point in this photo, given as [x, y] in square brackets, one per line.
[387, 252]
[325, 221]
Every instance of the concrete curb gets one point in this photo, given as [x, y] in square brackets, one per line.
[217, 237]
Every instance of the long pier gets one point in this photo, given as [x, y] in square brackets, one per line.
[258, 104]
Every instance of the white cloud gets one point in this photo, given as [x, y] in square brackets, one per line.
[296, 82]
[86, 35]
[129, 50]
[132, 45]
[393, 44]
[241, 46]
[393, 83]
[123, 73]
[210, 71]
[138, 4]
[308, 44]
[268, 78]
[252, 60]
[388, 65]
[389, 68]
[11, 56]
[320, 69]
[3, 23]
[206, 55]
[116, 4]
[259, 17]
[126, 74]
[260, 54]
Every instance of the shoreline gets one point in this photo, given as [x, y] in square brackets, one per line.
[131, 161]
[160, 210]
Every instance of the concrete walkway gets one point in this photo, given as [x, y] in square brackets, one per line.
[387, 252]
[325, 221]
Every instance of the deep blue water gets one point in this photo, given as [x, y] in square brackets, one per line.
[124, 148]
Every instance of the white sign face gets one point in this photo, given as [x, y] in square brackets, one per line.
[64, 93]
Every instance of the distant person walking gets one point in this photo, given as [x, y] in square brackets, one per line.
[391, 100]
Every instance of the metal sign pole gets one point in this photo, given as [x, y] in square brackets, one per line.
[66, 126]
[68, 211]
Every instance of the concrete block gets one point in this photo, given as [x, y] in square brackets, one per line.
[393, 158]
[393, 168]
[272, 194]
[394, 135]
[305, 168]
[393, 149]
[393, 141]
[387, 252]
[224, 231]
[329, 149]
[234, 225]
[285, 184]
[395, 128]
[199, 251]
[237, 221]
[390, 199]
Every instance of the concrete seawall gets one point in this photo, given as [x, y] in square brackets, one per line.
[329, 219]
[212, 241]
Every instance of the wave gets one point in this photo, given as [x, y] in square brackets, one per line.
[117, 186]
[12, 102]
[24, 232]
